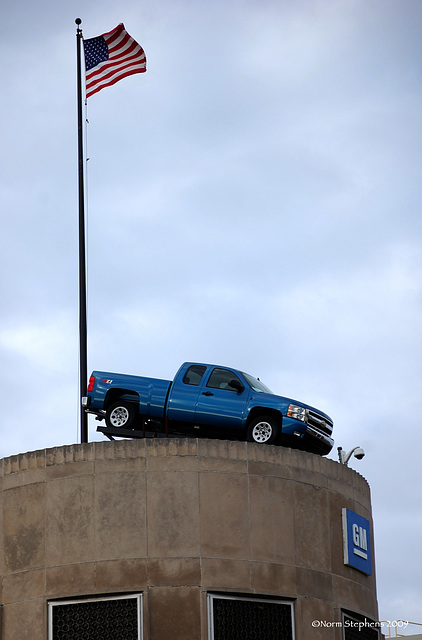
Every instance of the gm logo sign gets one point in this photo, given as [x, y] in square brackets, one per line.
[357, 542]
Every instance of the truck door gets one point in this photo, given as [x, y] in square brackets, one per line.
[184, 395]
[219, 403]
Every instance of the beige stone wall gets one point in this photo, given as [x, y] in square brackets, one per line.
[174, 519]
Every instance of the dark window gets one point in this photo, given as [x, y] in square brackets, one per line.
[194, 374]
[241, 618]
[116, 618]
[220, 379]
[356, 627]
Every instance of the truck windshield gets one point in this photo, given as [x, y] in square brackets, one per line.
[256, 385]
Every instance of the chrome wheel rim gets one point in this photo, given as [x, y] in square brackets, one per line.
[119, 416]
[262, 432]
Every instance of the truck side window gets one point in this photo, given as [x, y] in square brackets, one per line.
[220, 378]
[194, 374]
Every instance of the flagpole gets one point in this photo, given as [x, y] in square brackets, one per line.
[83, 366]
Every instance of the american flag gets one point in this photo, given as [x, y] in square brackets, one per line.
[111, 57]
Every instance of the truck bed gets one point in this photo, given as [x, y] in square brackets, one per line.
[152, 392]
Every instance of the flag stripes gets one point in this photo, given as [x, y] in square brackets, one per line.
[111, 57]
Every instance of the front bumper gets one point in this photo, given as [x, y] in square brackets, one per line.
[323, 442]
[314, 435]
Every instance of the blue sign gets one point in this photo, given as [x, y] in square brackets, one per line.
[357, 542]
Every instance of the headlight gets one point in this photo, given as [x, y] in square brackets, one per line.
[299, 413]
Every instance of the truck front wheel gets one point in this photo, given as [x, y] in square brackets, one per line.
[263, 430]
[121, 414]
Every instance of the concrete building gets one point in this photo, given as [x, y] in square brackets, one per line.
[182, 539]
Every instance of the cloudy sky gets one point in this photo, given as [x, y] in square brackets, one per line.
[253, 200]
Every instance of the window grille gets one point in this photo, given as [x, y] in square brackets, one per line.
[356, 627]
[243, 618]
[114, 618]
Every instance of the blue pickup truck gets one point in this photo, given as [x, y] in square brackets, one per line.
[206, 400]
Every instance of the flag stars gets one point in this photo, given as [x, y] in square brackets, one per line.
[96, 51]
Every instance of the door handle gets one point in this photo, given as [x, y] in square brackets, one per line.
[207, 393]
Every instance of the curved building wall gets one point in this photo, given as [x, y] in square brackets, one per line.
[177, 519]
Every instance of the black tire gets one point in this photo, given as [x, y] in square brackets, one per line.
[263, 430]
[121, 415]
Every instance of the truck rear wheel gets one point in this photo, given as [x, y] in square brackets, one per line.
[121, 415]
[263, 430]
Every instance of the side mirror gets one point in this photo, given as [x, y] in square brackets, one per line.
[236, 384]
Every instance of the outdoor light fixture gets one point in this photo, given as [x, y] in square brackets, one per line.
[344, 458]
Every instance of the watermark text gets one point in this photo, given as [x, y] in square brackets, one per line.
[359, 624]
